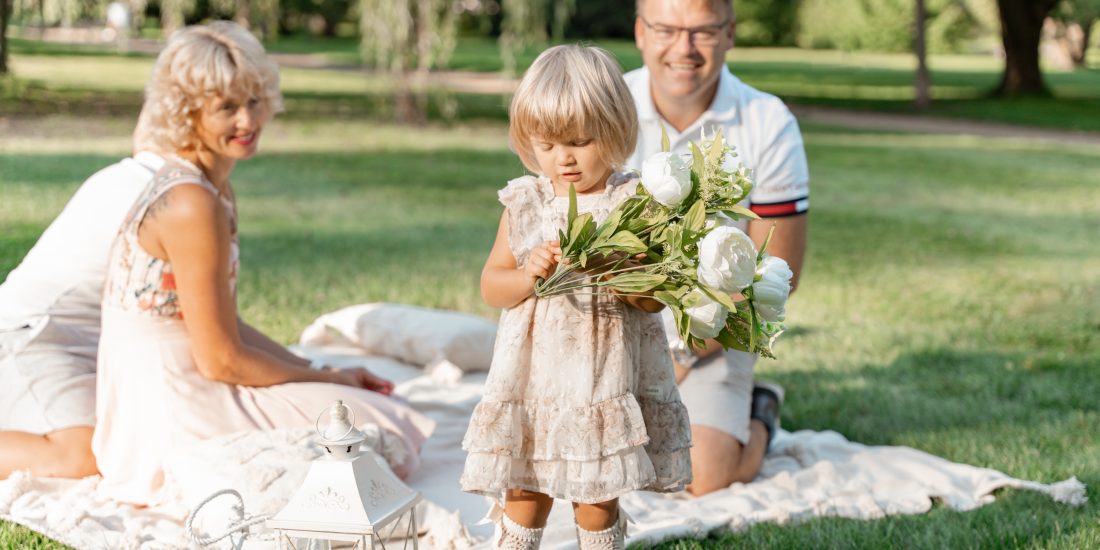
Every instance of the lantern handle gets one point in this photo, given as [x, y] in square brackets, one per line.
[241, 525]
[351, 420]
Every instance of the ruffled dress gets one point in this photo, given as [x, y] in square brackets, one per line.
[581, 401]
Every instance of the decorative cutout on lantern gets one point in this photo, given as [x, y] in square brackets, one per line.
[350, 494]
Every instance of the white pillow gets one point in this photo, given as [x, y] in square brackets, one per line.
[415, 335]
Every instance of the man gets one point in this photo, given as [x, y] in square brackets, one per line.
[687, 88]
[49, 327]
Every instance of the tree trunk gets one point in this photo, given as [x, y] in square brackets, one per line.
[1081, 54]
[1021, 27]
[922, 81]
[3, 36]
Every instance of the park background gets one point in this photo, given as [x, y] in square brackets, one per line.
[951, 295]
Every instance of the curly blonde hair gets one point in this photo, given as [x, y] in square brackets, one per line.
[220, 59]
[572, 92]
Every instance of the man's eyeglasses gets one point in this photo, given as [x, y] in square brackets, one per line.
[703, 35]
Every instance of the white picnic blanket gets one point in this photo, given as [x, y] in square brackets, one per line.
[806, 474]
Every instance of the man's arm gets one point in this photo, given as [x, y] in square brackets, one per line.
[788, 241]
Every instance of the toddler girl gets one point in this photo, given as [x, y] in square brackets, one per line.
[581, 401]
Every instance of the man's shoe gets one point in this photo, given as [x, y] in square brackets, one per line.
[766, 400]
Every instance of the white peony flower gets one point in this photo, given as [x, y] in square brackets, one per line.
[667, 177]
[707, 318]
[727, 259]
[771, 291]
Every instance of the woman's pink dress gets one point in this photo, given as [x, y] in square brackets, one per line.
[151, 398]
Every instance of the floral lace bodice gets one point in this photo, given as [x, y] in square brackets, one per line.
[142, 283]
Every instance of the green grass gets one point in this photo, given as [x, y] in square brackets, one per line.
[55, 78]
[950, 300]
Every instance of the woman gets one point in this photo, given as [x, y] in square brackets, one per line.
[175, 363]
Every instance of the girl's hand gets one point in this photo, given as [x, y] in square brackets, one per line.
[360, 377]
[543, 260]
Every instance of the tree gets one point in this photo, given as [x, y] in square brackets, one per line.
[3, 36]
[398, 35]
[1073, 20]
[1021, 28]
[923, 81]
[524, 25]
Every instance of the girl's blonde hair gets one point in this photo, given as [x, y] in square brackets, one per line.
[571, 93]
[200, 62]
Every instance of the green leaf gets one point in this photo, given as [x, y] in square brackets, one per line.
[635, 282]
[730, 341]
[764, 247]
[752, 328]
[698, 162]
[667, 298]
[576, 234]
[607, 228]
[683, 324]
[737, 211]
[625, 241]
[696, 217]
[584, 259]
[720, 297]
[665, 145]
[572, 203]
[714, 154]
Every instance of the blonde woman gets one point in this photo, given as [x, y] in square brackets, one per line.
[176, 364]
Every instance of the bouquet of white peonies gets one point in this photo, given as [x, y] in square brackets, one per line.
[676, 240]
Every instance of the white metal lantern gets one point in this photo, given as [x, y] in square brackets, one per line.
[349, 495]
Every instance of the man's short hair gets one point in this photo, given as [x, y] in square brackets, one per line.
[716, 5]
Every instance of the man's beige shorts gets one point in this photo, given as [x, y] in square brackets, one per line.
[47, 378]
[718, 393]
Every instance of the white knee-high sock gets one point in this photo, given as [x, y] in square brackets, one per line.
[513, 536]
[612, 538]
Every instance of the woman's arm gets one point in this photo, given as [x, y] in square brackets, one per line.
[188, 228]
[503, 283]
[252, 337]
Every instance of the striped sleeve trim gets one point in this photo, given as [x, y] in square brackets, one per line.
[780, 209]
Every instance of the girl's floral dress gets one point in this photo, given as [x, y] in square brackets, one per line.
[581, 401]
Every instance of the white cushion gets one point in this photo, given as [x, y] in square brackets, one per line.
[415, 335]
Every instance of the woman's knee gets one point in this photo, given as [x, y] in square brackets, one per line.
[70, 453]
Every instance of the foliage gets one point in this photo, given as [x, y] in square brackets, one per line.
[883, 25]
[766, 22]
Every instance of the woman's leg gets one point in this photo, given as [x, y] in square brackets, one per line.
[63, 453]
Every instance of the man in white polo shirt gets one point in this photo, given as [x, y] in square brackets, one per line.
[687, 88]
[49, 327]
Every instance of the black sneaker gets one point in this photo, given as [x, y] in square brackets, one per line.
[766, 400]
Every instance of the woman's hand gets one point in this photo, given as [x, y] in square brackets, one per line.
[360, 377]
[543, 260]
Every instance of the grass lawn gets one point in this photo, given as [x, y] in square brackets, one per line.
[51, 74]
[950, 301]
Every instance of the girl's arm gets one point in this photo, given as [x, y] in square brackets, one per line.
[503, 283]
[188, 227]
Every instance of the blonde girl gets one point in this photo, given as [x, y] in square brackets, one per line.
[581, 401]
